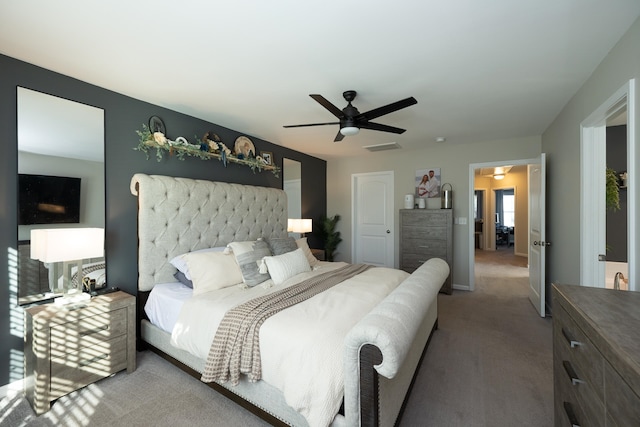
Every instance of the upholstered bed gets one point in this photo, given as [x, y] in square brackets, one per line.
[378, 352]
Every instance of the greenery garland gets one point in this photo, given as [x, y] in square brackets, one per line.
[204, 150]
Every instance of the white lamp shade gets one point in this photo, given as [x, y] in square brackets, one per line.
[349, 130]
[67, 244]
[295, 225]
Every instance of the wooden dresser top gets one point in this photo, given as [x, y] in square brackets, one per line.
[611, 319]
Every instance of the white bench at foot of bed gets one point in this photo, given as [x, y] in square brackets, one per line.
[394, 335]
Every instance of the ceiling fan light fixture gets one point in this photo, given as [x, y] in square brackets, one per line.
[349, 130]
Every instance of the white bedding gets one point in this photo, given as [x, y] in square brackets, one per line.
[301, 347]
[164, 304]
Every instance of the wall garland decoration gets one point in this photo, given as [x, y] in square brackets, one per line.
[207, 148]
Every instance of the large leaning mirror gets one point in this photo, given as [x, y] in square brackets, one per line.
[292, 185]
[61, 182]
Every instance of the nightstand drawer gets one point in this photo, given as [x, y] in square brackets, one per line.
[76, 370]
[87, 331]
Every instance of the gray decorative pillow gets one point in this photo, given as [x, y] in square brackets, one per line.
[282, 245]
[247, 256]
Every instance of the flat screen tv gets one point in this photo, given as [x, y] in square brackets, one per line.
[45, 199]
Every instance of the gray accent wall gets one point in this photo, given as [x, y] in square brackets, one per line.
[123, 116]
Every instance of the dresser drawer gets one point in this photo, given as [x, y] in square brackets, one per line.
[78, 369]
[426, 247]
[422, 233]
[571, 388]
[87, 331]
[623, 405]
[410, 262]
[425, 219]
[586, 359]
[568, 410]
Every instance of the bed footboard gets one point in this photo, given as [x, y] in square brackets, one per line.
[383, 351]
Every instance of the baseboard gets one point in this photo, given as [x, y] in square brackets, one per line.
[461, 287]
[11, 389]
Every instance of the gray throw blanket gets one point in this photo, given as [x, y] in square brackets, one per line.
[236, 346]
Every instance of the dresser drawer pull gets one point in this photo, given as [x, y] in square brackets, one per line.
[573, 343]
[572, 374]
[571, 415]
[92, 360]
[94, 330]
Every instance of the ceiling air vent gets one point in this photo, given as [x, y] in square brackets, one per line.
[382, 147]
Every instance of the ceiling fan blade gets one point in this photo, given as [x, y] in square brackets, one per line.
[329, 106]
[386, 109]
[310, 124]
[339, 137]
[383, 128]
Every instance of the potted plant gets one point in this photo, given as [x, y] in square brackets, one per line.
[612, 194]
[330, 236]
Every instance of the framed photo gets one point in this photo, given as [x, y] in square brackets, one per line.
[267, 156]
[427, 182]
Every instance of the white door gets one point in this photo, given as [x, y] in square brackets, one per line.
[372, 221]
[537, 242]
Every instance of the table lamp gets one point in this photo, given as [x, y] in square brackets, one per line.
[68, 246]
[296, 225]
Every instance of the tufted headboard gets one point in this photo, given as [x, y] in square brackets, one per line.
[178, 215]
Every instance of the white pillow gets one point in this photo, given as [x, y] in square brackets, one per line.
[285, 266]
[212, 270]
[302, 244]
[180, 263]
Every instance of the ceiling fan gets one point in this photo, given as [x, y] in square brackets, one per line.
[351, 120]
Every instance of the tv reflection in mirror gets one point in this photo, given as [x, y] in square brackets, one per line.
[45, 199]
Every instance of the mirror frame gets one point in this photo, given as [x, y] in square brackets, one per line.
[93, 206]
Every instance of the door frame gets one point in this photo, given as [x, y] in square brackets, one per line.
[592, 206]
[354, 212]
[471, 230]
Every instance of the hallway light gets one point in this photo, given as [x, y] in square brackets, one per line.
[498, 176]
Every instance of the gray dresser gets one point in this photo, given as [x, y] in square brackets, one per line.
[425, 234]
[596, 356]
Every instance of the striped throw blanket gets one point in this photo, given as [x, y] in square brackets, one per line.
[236, 346]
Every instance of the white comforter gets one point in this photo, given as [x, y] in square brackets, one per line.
[301, 347]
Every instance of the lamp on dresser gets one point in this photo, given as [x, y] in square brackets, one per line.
[68, 246]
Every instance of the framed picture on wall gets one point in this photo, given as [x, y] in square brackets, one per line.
[267, 157]
[427, 182]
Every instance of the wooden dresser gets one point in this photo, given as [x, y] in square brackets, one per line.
[67, 348]
[596, 356]
[426, 234]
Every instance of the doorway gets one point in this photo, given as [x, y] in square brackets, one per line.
[501, 233]
[593, 164]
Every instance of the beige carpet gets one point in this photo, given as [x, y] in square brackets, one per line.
[489, 364]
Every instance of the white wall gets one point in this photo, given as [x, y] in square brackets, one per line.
[454, 161]
[92, 199]
[561, 142]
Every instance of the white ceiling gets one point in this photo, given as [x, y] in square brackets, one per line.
[480, 71]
